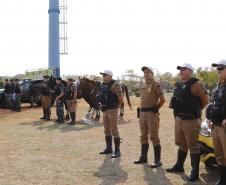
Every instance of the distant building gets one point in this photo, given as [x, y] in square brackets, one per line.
[38, 73]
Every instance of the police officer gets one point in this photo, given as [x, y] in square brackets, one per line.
[189, 98]
[110, 99]
[11, 93]
[45, 93]
[16, 98]
[152, 99]
[7, 93]
[59, 92]
[216, 115]
[70, 96]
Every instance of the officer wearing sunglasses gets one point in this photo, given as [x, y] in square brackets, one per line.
[110, 99]
[216, 115]
[189, 98]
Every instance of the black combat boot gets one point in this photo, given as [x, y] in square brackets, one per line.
[47, 117]
[157, 154]
[195, 160]
[179, 166]
[108, 149]
[222, 175]
[57, 121]
[67, 117]
[144, 154]
[117, 152]
[61, 119]
[44, 114]
[72, 114]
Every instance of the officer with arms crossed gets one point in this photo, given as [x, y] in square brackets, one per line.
[189, 98]
[216, 115]
[152, 99]
[110, 99]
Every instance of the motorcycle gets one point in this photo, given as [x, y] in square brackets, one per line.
[206, 146]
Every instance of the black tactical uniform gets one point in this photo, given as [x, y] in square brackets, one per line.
[60, 103]
[7, 94]
[216, 112]
[16, 97]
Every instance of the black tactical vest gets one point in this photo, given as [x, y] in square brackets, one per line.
[17, 89]
[12, 88]
[216, 110]
[184, 102]
[108, 99]
[45, 89]
[59, 89]
[69, 94]
[7, 88]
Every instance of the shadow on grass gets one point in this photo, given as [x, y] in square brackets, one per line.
[155, 176]
[111, 172]
[43, 125]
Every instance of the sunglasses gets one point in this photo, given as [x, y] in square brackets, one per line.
[183, 68]
[220, 68]
[104, 75]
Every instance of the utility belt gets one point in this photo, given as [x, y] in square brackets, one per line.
[68, 98]
[105, 108]
[153, 109]
[185, 116]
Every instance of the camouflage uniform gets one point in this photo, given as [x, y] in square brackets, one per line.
[60, 103]
[7, 95]
[16, 98]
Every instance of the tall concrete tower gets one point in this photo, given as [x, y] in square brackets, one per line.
[54, 56]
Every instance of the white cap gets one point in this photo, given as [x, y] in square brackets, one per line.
[107, 72]
[147, 67]
[221, 62]
[186, 65]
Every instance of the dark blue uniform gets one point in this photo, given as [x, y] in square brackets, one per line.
[60, 102]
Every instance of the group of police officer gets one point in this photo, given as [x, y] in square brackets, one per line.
[64, 94]
[12, 95]
[188, 100]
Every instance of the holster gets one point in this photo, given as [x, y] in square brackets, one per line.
[138, 112]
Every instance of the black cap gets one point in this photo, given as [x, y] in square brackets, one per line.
[70, 79]
[59, 78]
[46, 76]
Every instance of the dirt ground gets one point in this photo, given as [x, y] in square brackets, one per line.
[35, 152]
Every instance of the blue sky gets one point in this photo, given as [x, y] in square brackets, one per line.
[116, 35]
